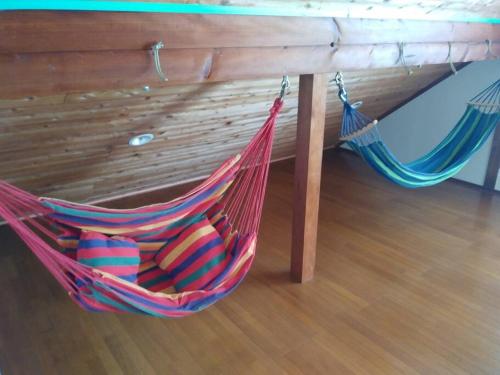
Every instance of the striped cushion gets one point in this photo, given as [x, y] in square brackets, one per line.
[220, 222]
[68, 240]
[154, 278]
[116, 255]
[195, 257]
[150, 243]
[223, 227]
[215, 212]
[69, 243]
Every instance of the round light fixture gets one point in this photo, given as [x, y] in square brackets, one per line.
[141, 139]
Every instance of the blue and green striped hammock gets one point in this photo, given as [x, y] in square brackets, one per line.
[472, 130]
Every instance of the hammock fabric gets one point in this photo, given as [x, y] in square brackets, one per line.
[164, 260]
[444, 161]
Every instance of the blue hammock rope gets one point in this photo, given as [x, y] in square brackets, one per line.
[478, 122]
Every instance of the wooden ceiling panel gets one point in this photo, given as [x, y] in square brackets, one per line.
[75, 146]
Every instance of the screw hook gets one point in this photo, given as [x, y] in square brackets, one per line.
[450, 60]
[156, 55]
[402, 58]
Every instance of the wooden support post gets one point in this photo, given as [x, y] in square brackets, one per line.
[493, 163]
[309, 154]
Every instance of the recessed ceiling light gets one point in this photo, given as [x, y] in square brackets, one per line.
[141, 139]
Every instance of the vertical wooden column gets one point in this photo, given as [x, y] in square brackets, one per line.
[309, 154]
[493, 162]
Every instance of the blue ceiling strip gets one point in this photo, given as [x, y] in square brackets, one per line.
[152, 7]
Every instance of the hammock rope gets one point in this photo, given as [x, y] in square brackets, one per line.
[234, 193]
[478, 122]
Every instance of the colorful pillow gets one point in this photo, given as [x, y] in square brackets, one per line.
[68, 240]
[220, 222]
[215, 212]
[195, 257]
[155, 279]
[118, 256]
[223, 227]
[150, 243]
[69, 243]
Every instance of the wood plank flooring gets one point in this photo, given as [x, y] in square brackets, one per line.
[407, 282]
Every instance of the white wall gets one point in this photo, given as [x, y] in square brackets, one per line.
[418, 126]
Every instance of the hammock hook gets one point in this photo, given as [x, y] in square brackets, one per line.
[488, 51]
[402, 58]
[285, 85]
[450, 60]
[339, 81]
[156, 55]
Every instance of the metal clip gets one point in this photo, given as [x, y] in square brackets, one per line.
[285, 85]
[339, 81]
[450, 60]
[156, 54]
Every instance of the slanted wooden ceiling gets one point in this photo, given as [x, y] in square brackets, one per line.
[74, 146]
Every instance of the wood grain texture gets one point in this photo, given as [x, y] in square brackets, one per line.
[308, 157]
[380, 31]
[74, 146]
[406, 283]
[46, 53]
[112, 31]
[69, 31]
[388, 9]
[68, 72]
[493, 167]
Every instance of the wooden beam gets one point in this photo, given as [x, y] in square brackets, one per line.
[53, 52]
[493, 162]
[31, 74]
[370, 31]
[42, 31]
[309, 153]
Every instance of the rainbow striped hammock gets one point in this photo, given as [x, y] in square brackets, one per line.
[205, 239]
[444, 161]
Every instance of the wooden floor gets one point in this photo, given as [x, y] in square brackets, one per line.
[407, 282]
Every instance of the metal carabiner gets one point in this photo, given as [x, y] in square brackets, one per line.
[285, 85]
[339, 81]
